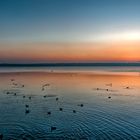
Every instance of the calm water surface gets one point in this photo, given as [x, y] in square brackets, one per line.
[110, 99]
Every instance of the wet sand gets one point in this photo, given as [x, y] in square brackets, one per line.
[59, 105]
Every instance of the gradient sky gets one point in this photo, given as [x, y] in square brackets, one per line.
[69, 30]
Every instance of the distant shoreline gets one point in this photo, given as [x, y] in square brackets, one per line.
[68, 64]
[72, 73]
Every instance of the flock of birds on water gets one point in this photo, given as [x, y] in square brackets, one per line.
[43, 88]
[27, 107]
[110, 85]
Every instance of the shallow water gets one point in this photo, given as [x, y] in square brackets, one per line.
[100, 117]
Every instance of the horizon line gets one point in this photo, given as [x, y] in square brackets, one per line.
[62, 64]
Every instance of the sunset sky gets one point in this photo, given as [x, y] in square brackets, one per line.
[69, 31]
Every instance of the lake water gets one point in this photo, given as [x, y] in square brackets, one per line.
[72, 103]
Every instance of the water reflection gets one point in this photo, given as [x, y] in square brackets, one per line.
[70, 106]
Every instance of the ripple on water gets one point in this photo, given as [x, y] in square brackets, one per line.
[89, 122]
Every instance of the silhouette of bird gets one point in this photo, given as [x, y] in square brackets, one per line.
[45, 96]
[74, 111]
[109, 97]
[1, 136]
[53, 128]
[27, 111]
[61, 109]
[127, 87]
[46, 85]
[12, 79]
[49, 113]
[26, 106]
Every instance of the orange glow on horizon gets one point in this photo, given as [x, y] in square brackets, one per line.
[72, 52]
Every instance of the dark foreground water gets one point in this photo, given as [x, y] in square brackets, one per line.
[49, 104]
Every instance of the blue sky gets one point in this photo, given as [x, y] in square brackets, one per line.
[66, 20]
[69, 30]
